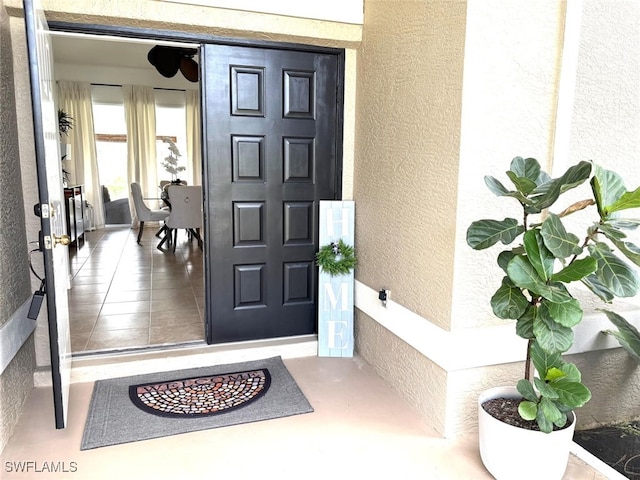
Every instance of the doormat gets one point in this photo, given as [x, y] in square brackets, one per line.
[206, 395]
[114, 419]
[616, 445]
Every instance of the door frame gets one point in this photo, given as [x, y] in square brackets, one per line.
[198, 38]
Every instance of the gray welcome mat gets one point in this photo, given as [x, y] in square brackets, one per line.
[114, 418]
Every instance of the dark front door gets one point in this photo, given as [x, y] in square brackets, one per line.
[272, 133]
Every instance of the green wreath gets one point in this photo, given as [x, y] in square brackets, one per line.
[336, 258]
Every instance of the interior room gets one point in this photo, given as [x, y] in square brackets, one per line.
[125, 293]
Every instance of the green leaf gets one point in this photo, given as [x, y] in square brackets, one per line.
[524, 325]
[501, 191]
[614, 273]
[539, 256]
[485, 233]
[528, 410]
[623, 223]
[524, 275]
[545, 389]
[550, 191]
[495, 186]
[552, 336]
[575, 176]
[597, 194]
[554, 374]
[504, 258]
[544, 361]
[572, 394]
[527, 391]
[559, 242]
[576, 270]
[630, 345]
[543, 422]
[610, 231]
[557, 293]
[627, 334]
[628, 200]
[568, 314]
[628, 249]
[528, 168]
[549, 410]
[508, 301]
[523, 185]
[598, 288]
[562, 421]
[607, 187]
[571, 373]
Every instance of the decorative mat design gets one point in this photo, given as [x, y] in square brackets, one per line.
[200, 396]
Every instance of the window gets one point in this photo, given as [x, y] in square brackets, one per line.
[111, 148]
[111, 135]
[171, 122]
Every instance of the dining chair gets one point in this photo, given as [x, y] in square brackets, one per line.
[143, 212]
[186, 213]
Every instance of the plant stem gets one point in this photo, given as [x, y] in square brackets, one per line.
[527, 362]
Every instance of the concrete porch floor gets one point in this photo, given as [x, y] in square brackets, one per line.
[360, 428]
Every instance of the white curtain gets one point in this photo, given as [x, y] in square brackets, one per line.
[142, 164]
[75, 100]
[194, 156]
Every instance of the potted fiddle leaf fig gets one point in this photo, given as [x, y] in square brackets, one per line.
[542, 263]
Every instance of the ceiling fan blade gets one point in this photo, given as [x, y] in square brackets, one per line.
[165, 59]
[189, 69]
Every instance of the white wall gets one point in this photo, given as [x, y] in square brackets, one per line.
[510, 85]
[605, 124]
[513, 67]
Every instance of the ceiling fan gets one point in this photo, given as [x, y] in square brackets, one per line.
[168, 60]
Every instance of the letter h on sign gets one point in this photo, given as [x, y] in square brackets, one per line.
[335, 294]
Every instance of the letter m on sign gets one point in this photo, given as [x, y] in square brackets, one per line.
[335, 294]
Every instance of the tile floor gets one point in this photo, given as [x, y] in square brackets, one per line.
[128, 295]
[360, 429]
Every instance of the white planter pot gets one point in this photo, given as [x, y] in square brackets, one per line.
[510, 452]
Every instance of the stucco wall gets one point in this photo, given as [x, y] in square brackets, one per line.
[17, 379]
[614, 380]
[511, 78]
[605, 120]
[422, 383]
[409, 101]
[199, 19]
[604, 126]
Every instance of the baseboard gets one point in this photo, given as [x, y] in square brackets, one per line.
[14, 333]
[479, 345]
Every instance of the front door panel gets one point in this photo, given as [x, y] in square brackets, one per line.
[272, 153]
[52, 205]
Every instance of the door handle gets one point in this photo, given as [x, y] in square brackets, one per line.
[62, 239]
